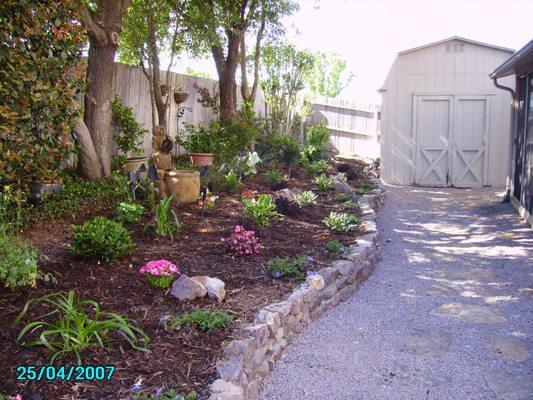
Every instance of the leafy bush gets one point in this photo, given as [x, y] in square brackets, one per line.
[242, 242]
[279, 267]
[315, 142]
[341, 221]
[316, 167]
[305, 198]
[197, 139]
[204, 321]
[323, 183]
[245, 165]
[41, 73]
[261, 211]
[100, 238]
[168, 223]
[75, 325]
[129, 212]
[13, 202]
[274, 176]
[342, 197]
[231, 183]
[282, 148]
[18, 264]
[335, 246]
[128, 133]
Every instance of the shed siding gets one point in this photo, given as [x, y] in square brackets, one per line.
[434, 71]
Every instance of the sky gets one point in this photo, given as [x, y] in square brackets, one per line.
[369, 33]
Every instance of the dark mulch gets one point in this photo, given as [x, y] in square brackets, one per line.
[183, 359]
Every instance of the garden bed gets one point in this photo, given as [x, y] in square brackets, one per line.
[184, 359]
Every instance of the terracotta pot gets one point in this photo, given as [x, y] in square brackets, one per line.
[202, 159]
[184, 183]
[164, 90]
[133, 164]
[180, 97]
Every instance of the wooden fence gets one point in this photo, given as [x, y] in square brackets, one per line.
[354, 128]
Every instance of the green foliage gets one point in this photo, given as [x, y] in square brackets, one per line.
[128, 133]
[13, 201]
[129, 212]
[340, 177]
[245, 165]
[199, 74]
[305, 198]
[341, 221]
[342, 197]
[18, 264]
[350, 205]
[168, 395]
[279, 267]
[360, 191]
[204, 321]
[334, 246]
[40, 74]
[274, 176]
[315, 142]
[323, 183]
[261, 210]
[282, 148]
[231, 183]
[317, 167]
[364, 187]
[70, 325]
[100, 238]
[197, 139]
[328, 76]
[168, 223]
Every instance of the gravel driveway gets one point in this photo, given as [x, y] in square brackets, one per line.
[446, 315]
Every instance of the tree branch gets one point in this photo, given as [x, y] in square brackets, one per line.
[96, 33]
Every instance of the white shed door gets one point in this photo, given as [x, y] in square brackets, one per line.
[450, 134]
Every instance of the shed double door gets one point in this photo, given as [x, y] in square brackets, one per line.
[450, 140]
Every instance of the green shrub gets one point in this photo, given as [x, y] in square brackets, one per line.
[323, 183]
[274, 176]
[231, 183]
[279, 267]
[341, 221]
[13, 203]
[342, 197]
[168, 223]
[129, 133]
[204, 321]
[70, 325]
[282, 148]
[129, 212]
[261, 211]
[316, 167]
[198, 139]
[305, 198]
[335, 246]
[18, 263]
[315, 142]
[100, 238]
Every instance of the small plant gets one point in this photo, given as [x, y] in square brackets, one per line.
[208, 203]
[160, 273]
[341, 221]
[340, 177]
[335, 246]
[245, 165]
[242, 242]
[261, 210]
[360, 191]
[366, 186]
[231, 183]
[279, 267]
[248, 194]
[128, 132]
[204, 321]
[12, 207]
[168, 395]
[129, 212]
[305, 198]
[18, 263]
[71, 325]
[317, 167]
[168, 223]
[323, 182]
[350, 205]
[100, 238]
[342, 197]
[274, 176]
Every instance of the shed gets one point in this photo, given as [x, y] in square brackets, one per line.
[443, 122]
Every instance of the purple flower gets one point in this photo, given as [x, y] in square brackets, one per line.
[277, 275]
[310, 260]
[136, 387]
[311, 273]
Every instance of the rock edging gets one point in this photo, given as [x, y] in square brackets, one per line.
[247, 360]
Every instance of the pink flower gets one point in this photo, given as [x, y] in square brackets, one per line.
[160, 267]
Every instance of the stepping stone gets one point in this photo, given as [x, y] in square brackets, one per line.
[470, 313]
[417, 374]
[508, 348]
[474, 274]
[426, 342]
[506, 386]
[440, 290]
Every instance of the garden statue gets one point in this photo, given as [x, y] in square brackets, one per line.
[182, 183]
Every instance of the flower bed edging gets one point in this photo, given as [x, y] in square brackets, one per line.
[247, 360]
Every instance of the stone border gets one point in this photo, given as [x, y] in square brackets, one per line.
[247, 360]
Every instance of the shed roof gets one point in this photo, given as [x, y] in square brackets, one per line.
[516, 62]
[461, 39]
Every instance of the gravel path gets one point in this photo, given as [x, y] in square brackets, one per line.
[446, 315]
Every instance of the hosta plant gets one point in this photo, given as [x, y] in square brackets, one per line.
[70, 325]
[100, 238]
[129, 212]
[204, 321]
[323, 182]
[160, 273]
[241, 241]
[340, 177]
[261, 210]
[305, 198]
[341, 221]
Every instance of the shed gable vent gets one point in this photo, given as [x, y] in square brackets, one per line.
[455, 47]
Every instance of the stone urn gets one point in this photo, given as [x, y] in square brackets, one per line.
[183, 183]
[134, 164]
[202, 159]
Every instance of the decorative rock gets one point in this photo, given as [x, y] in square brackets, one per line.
[426, 342]
[289, 194]
[342, 187]
[223, 390]
[278, 349]
[259, 332]
[343, 266]
[317, 281]
[328, 274]
[215, 288]
[471, 313]
[230, 369]
[508, 347]
[185, 288]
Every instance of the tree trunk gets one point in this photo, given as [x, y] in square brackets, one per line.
[153, 51]
[89, 164]
[226, 69]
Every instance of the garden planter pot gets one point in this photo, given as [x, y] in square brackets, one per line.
[133, 164]
[180, 97]
[164, 90]
[184, 183]
[202, 159]
[39, 190]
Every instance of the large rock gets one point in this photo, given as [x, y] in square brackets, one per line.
[215, 288]
[185, 288]
[223, 390]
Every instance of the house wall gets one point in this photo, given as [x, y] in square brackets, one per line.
[442, 70]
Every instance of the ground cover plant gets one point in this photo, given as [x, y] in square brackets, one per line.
[202, 320]
[280, 267]
[129, 212]
[18, 263]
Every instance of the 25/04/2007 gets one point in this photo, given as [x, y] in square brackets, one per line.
[64, 373]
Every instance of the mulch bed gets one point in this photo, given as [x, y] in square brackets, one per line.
[183, 359]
